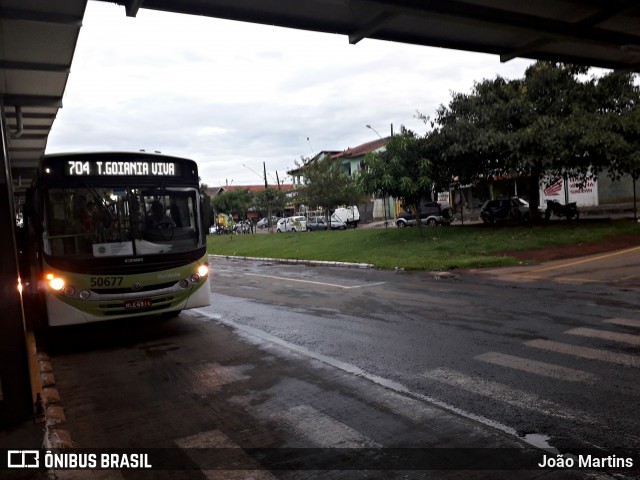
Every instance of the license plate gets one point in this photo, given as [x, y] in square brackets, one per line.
[137, 304]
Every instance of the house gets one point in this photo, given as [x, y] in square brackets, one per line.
[595, 192]
[352, 162]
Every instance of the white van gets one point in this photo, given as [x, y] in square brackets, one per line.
[292, 224]
[349, 215]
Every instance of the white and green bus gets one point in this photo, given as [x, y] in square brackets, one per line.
[118, 235]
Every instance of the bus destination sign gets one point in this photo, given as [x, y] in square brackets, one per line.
[122, 168]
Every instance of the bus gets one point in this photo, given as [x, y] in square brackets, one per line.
[117, 235]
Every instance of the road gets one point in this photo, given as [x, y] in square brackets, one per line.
[294, 355]
[544, 358]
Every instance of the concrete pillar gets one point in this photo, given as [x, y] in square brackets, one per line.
[16, 404]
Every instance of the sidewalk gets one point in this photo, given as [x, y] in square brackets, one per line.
[260, 392]
[612, 211]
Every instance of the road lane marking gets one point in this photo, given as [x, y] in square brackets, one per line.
[320, 429]
[629, 277]
[586, 352]
[217, 439]
[576, 280]
[538, 368]
[606, 335]
[627, 322]
[288, 279]
[505, 394]
[587, 260]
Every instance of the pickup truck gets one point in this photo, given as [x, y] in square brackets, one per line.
[350, 216]
[432, 214]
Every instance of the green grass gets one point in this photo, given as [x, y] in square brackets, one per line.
[440, 248]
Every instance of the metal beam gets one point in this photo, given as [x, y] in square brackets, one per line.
[33, 100]
[39, 67]
[524, 49]
[41, 17]
[590, 21]
[463, 11]
[370, 27]
[25, 163]
[132, 7]
[25, 150]
[32, 115]
[34, 136]
[32, 127]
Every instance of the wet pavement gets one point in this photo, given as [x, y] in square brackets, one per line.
[297, 362]
[619, 268]
[190, 383]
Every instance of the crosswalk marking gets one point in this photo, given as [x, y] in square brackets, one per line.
[210, 377]
[627, 322]
[505, 394]
[217, 439]
[606, 335]
[586, 352]
[538, 368]
[320, 429]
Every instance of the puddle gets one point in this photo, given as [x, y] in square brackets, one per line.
[539, 441]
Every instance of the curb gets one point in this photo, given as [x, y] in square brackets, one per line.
[289, 261]
[57, 435]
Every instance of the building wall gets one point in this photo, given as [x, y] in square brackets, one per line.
[615, 191]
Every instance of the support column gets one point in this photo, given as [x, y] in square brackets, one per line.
[16, 404]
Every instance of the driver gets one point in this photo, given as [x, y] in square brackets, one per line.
[158, 218]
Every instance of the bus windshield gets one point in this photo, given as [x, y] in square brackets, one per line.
[93, 221]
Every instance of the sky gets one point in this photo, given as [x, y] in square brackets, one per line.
[233, 96]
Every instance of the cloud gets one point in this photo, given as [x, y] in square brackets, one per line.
[233, 95]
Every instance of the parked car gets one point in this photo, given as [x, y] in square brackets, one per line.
[338, 224]
[264, 222]
[502, 209]
[291, 224]
[316, 223]
[432, 214]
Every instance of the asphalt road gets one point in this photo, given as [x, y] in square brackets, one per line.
[539, 357]
[306, 356]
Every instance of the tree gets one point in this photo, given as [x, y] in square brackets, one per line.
[207, 212]
[235, 202]
[618, 102]
[402, 170]
[327, 186]
[550, 123]
[203, 186]
[268, 201]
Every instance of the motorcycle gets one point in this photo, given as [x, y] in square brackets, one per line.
[570, 210]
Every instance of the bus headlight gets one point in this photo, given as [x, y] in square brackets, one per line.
[184, 283]
[195, 278]
[69, 290]
[56, 283]
[84, 294]
[203, 270]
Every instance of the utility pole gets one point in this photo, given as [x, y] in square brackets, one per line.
[264, 168]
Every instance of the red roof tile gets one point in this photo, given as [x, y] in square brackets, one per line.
[363, 149]
[250, 188]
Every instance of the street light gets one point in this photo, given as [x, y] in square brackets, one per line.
[384, 201]
[371, 128]
[261, 177]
